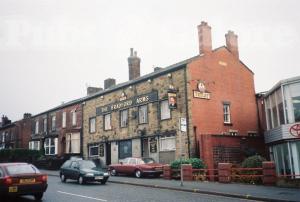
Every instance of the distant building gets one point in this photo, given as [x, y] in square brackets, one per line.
[282, 110]
[204, 106]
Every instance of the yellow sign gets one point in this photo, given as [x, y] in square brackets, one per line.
[198, 94]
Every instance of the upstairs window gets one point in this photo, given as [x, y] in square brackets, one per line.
[36, 127]
[124, 118]
[45, 125]
[165, 112]
[296, 107]
[107, 122]
[92, 125]
[143, 114]
[64, 119]
[74, 118]
[53, 123]
[226, 111]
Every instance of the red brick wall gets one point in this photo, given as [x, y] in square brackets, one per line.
[227, 79]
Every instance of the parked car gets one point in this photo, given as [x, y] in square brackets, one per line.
[137, 166]
[83, 171]
[22, 179]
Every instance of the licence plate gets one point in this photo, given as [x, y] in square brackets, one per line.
[27, 181]
[98, 177]
[12, 189]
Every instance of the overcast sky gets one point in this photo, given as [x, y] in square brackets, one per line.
[50, 50]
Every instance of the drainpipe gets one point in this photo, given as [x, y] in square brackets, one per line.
[187, 110]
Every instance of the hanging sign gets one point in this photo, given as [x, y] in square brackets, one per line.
[172, 99]
[101, 150]
[153, 145]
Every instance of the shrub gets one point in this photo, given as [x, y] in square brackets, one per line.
[253, 162]
[20, 155]
[196, 163]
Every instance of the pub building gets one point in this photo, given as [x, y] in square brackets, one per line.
[204, 107]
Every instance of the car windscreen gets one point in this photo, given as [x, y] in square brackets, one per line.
[87, 164]
[21, 169]
[148, 160]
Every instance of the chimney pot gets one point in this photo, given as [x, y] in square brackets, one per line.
[232, 43]
[108, 83]
[204, 35]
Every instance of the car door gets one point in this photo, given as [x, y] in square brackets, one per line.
[131, 166]
[74, 170]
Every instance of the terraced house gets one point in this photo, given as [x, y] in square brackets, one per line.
[204, 106]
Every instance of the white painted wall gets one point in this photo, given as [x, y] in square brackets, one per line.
[114, 152]
[136, 148]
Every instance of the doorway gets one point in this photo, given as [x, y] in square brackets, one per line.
[108, 153]
[145, 147]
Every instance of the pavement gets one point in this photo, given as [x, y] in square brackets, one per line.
[234, 190]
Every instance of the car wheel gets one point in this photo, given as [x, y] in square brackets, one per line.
[38, 196]
[138, 173]
[103, 181]
[113, 172]
[80, 180]
[63, 178]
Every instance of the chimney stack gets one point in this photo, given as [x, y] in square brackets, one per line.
[108, 83]
[26, 116]
[204, 34]
[93, 90]
[134, 65]
[232, 43]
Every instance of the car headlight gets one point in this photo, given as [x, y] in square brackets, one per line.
[89, 174]
[105, 174]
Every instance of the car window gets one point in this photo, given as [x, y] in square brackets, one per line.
[87, 164]
[125, 161]
[148, 160]
[132, 161]
[74, 164]
[1, 173]
[20, 169]
[66, 164]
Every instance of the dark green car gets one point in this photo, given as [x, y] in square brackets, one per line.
[83, 171]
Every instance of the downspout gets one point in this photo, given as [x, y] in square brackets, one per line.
[187, 110]
[81, 130]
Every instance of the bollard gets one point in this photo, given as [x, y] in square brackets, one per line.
[187, 172]
[224, 172]
[167, 172]
[269, 173]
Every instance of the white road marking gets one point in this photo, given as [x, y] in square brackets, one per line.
[97, 199]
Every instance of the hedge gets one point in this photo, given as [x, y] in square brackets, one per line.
[196, 163]
[19, 155]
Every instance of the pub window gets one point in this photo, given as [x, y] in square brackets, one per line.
[107, 122]
[36, 127]
[167, 144]
[74, 117]
[165, 112]
[50, 146]
[94, 150]
[92, 125]
[143, 114]
[53, 123]
[45, 125]
[64, 119]
[124, 118]
[226, 111]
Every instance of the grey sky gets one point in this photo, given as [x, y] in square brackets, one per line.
[51, 49]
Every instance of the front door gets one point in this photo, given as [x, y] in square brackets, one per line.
[108, 153]
[145, 152]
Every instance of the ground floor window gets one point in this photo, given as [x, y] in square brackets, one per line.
[73, 143]
[287, 158]
[93, 150]
[167, 143]
[51, 146]
[125, 149]
[34, 145]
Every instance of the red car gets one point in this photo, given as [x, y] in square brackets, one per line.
[137, 166]
[22, 179]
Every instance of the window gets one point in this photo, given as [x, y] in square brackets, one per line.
[124, 118]
[143, 114]
[92, 125]
[94, 150]
[125, 149]
[165, 112]
[50, 146]
[233, 132]
[36, 127]
[73, 143]
[296, 107]
[226, 110]
[167, 144]
[107, 122]
[53, 123]
[45, 125]
[34, 145]
[64, 119]
[132, 161]
[74, 117]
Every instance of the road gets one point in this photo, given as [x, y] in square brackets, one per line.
[112, 192]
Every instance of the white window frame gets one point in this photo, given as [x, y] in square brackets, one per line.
[226, 113]
[162, 142]
[74, 118]
[53, 123]
[94, 146]
[75, 143]
[107, 122]
[124, 118]
[64, 119]
[36, 127]
[143, 114]
[92, 128]
[45, 124]
[48, 145]
[34, 145]
[165, 112]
